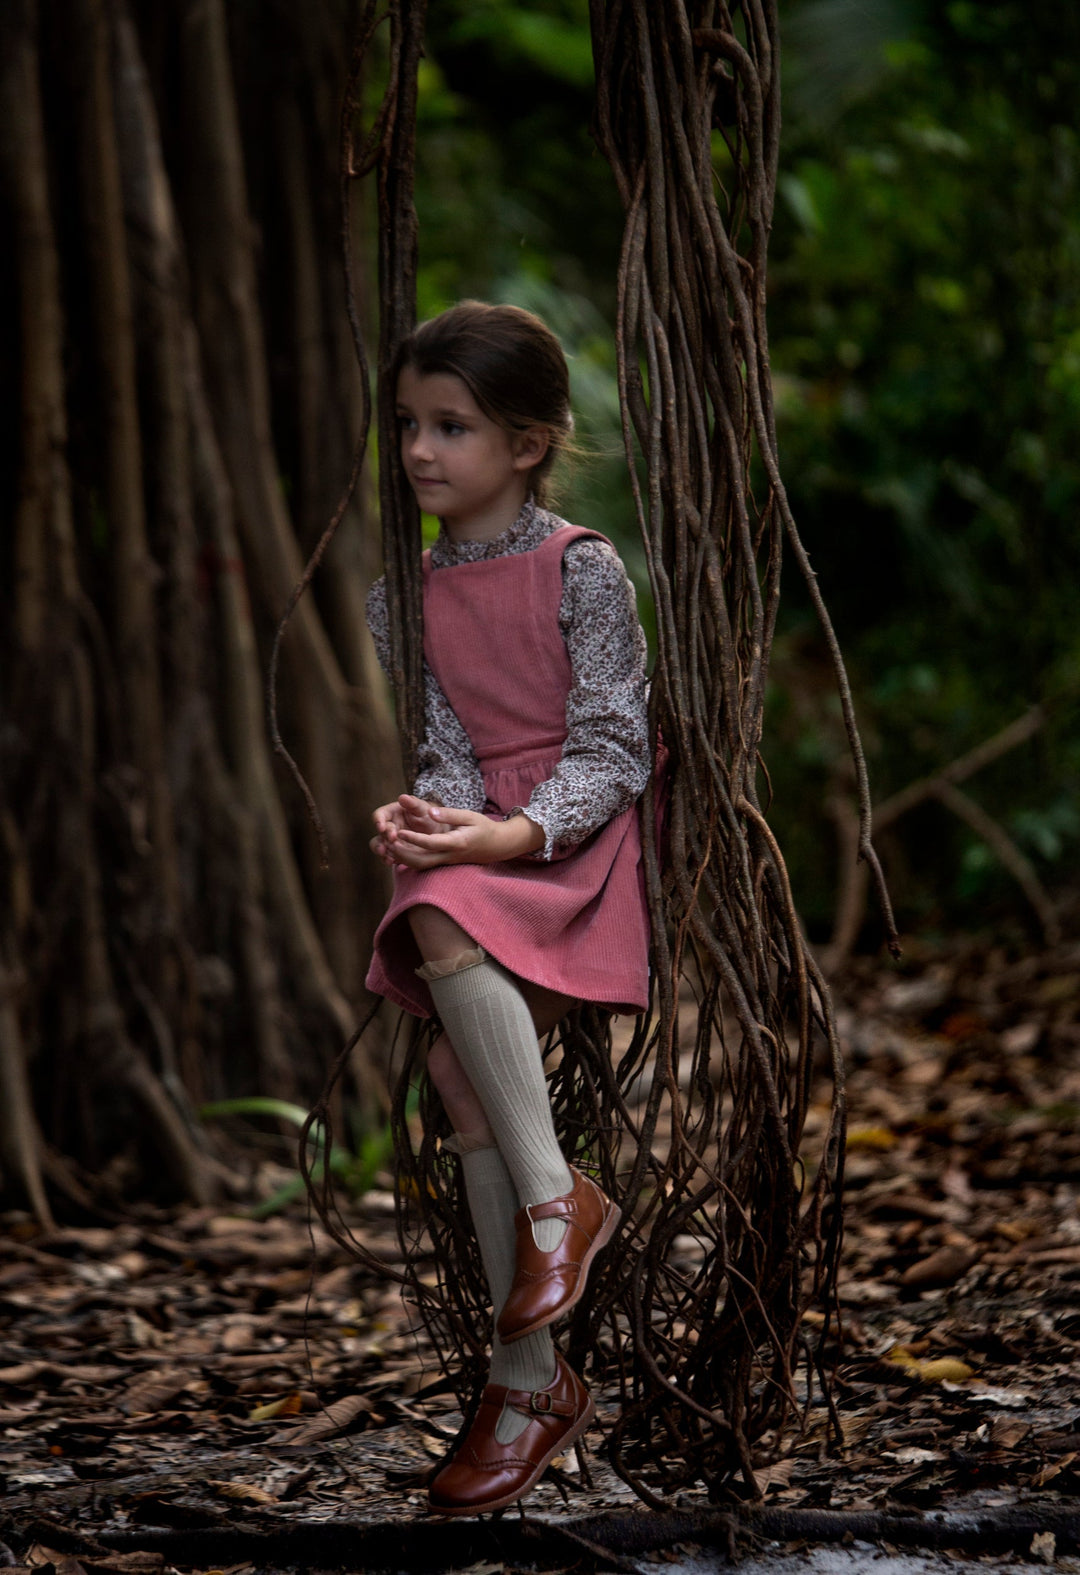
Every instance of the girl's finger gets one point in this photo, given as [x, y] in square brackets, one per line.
[414, 805]
[453, 817]
[421, 823]
[429, 841]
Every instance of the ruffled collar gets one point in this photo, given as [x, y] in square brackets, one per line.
[532, 521]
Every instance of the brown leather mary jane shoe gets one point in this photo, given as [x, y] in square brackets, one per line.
[547, 1284]
[485, 1474]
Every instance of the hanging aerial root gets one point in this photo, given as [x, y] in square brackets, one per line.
[715, 1334]
[389, 148]
[730, 1228]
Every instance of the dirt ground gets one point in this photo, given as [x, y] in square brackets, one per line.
[204, 1372]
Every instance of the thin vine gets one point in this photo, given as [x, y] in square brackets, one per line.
[729, 1234]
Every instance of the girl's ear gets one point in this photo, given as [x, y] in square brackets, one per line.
[529, 447]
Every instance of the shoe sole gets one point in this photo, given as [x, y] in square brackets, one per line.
[598, 1243]
[507, 1499]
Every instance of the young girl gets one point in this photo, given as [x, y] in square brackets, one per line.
[517, 856]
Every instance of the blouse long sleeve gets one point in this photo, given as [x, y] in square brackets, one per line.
[447, 770]
[605, 760]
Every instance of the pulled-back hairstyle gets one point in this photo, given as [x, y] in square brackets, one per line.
[512, 365]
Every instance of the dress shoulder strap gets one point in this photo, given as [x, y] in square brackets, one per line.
[565, 535]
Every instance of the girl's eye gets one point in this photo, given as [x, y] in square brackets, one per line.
[406, 423]
[452, 428]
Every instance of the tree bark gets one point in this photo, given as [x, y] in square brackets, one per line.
[320, 708]
[40, 618]
[164, 312]
[134, 573]
[244, 721]
[165, 929]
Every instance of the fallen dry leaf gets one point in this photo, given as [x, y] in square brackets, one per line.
[241, 1492]
[288, 1405]
[1006, 1432]
[78, 1372]
[1044, 1546]
[1048, 1473]
[1016, 1230]
[993, 1394]
[912, 1455]
[152, 1392]
[777, 1475]
[137, 1562]
[877, 1139]
[943, 1267]
[942, 1369]
[334, 1419]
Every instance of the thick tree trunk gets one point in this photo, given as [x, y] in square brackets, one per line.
[134, 573]
[42, 507]
[164, 931]
[244, 720]
[321, 709]
[165, 316]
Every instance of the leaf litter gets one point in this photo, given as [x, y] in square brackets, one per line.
[206, 1369]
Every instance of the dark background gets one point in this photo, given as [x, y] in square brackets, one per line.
[924, 285]
[172, 321]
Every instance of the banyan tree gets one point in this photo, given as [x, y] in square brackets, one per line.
[168, 934]
[695, 1120]
[170, 176]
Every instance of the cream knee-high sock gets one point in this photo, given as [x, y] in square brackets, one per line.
[491, 1029]
[528, 1363]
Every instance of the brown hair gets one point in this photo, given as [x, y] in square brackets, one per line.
[512, 365]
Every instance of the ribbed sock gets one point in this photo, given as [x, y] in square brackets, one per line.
[528, 1363]
[491, 1029]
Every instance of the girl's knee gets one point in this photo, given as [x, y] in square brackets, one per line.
[446, 1071]
[442, 1064]
[548, 1007]
[457, 1094]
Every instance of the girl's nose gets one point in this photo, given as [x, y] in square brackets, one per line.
[420, 447]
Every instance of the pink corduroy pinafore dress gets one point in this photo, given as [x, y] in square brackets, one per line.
[576, 924]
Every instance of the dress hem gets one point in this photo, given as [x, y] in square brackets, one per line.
[380, 981]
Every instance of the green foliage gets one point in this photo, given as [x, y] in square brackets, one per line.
[924, 294]
[558, 45]
[925, 286]
[508, 180]
[355, 1169]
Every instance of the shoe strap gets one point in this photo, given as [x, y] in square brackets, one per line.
[558, 1209]
[539, 1402]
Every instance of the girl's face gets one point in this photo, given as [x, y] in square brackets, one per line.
[462, 465]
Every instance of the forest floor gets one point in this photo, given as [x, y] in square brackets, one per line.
[202, 1391]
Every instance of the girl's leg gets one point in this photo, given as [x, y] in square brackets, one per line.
[528, 1363]
[564, 1218]
[463, 1108]
[494, 1036]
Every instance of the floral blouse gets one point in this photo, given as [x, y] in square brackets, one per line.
[605, 759]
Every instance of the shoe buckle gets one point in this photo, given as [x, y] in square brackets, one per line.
[541, 1402]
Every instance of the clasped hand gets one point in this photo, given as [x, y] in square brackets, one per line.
[414, 834]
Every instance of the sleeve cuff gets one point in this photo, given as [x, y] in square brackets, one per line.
[542, 855]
